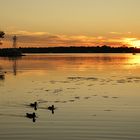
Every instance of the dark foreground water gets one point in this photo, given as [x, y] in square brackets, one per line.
[97, 97]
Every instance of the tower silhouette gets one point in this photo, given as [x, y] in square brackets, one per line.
[14, 41]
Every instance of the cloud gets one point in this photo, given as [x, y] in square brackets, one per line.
[116, 33]
[120, 33]
[45, 39]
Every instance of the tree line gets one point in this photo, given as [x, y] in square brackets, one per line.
[73, 49]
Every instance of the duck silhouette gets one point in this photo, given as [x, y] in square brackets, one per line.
[51, 108]
[34, 105]
[2, 76]
[31, 116]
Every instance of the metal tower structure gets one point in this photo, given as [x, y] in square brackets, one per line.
[14, 41]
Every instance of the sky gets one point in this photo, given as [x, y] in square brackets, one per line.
[46, 23]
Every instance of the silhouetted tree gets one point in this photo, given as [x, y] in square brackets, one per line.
[1, 36]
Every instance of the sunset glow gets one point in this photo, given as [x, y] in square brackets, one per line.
[132, 42]
[45, 39]
[69, 69]
[45, 23]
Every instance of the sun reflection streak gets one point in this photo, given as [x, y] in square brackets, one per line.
[135, 60]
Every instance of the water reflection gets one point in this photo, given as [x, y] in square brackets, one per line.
[14, 60]
[2, 74]
[92, 92]
[15, 66]
[10, 64]
[78, 62]
[134, 60]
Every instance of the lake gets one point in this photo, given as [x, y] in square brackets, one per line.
[96, 97]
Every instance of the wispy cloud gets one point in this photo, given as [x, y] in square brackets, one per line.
[45, 39]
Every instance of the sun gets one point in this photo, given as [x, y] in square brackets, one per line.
[133, 42]
[136, 43]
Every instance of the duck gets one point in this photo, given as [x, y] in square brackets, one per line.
[1, 76]
[34, 105]
[30, 115]
[51, 107]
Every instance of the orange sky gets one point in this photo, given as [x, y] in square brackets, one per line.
[44, 39]
[45, 23]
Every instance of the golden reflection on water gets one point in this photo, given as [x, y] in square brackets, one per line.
[135, 59]
[111, 69]
[96, 96]
[78, 62]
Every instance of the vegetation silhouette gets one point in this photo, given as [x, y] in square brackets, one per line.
[13, 52]
[1, 36]
[74, 49]
[18, 52]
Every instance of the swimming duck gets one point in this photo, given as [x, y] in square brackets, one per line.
[34, 105]
[51, 107]
[30, 115]
[1, 76]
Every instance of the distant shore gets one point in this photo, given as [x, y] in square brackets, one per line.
[72, 49]
[10, 52]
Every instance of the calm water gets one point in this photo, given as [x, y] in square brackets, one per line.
[97, 97]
